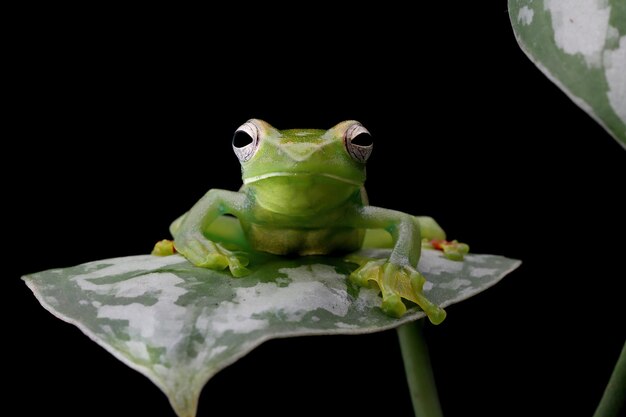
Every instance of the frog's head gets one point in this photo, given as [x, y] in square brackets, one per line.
[338, 154]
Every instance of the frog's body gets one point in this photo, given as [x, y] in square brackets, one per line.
[303, 194]
[288, 217]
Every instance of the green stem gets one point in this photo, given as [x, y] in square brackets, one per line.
[419, 374]
[612, 401]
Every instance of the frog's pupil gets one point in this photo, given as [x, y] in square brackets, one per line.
[242, 139]
[363, 139]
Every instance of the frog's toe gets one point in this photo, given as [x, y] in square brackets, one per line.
[236, 261]
[393, 306]
[369, 271]
[163, 247]
[196, 252]
[215, 261]
[453, 250]
[359, 279]
[437, 315]
[237, 265]
[203, 255]
[239, 271]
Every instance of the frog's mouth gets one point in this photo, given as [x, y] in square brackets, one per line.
[256, 178]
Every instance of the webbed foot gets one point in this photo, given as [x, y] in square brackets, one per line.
[453, 250]
[207, 254]
[395, 283]
[164, 247]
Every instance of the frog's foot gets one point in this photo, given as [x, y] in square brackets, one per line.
[207, 254]
[453, 250]
[395, 283]
[164, 247]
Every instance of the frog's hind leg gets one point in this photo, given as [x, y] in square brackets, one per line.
[429, 230]
[433, 237]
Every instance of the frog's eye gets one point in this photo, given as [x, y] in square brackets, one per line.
[246, 141]
[358, 142]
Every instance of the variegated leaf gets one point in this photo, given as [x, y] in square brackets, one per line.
[581, 46]
[179, 325]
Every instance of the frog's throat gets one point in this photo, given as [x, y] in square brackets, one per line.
[256, 178]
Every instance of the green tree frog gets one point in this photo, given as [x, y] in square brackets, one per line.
[303, 194]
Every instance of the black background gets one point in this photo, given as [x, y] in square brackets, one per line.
[124, 122]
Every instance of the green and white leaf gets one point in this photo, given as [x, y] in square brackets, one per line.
[179, 324]
[581, 46]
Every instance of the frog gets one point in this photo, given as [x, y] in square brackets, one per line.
[303, 194]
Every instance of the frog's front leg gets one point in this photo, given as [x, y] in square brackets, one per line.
[190, 240]
[397, 277]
